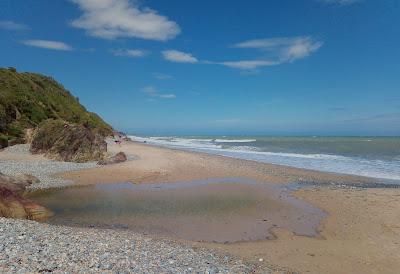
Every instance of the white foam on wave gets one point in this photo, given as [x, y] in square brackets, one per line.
[234, 140]
[178, 142]
[322, 162]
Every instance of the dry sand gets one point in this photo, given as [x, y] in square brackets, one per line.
[156, 164]
[360, 235]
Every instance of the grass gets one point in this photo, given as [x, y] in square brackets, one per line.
[28, 99]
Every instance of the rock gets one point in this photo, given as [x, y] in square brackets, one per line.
[68, 142]
[16, 141]
[27, 178]
[36, 212]
[10, 205]
[3, 142]
[29, 134]
[12, 202]
[13, 184]
[117, 158]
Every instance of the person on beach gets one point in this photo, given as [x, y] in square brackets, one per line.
[118, 141]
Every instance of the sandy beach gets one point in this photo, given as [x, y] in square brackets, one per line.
[361, 233]
[156, 164]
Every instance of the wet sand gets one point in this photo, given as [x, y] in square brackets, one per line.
[224, 210]
[361, 233]
[156, 164]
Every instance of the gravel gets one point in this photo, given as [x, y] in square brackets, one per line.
[18, 149]
[28, 246]
[44, 170]
[31, 247]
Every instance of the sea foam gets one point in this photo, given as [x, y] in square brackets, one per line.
[375, 168]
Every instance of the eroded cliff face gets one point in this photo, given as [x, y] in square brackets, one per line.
[28, 99]
[69, 142]
[13, 204]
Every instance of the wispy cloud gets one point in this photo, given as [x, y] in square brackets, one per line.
[246, 64]
[47, 44]
[149, 90]
[135, 53]
[275, 51]
[336, 108]
[167, 96]
[228, 121]
[286, 49]
[179, 56]
[340, 2]
[162, 76]
[279, 50]
[153, 92]
[110, 19]
[11, 25]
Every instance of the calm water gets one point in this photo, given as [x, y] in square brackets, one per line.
[377, 157]
[213, 210]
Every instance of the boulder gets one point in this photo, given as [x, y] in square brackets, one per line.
[16, 141]
[68, 142]
[29, 133]
[117, 158]
[36, 212]
[3, 142]
[27, 178]
[12, 202]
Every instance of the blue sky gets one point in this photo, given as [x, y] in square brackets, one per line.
[328, 67]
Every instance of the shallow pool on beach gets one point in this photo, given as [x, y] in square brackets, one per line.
[214, 210]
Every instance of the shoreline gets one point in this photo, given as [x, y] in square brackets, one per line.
[162, 165]
[361, 233]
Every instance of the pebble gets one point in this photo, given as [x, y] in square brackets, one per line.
[30, 247]
[58, 249]
[44, 170]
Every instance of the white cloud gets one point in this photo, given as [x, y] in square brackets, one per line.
[129, 52]
[278, 50]
[179, 56]
[167, 96]
[110, 19]
[229, 121]
[10, 25]
[149, 90]
[153, 92]
[247, 64]
[47, 44]
[162, 76]
[287, 49]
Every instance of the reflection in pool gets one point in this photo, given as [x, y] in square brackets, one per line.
[212, 210]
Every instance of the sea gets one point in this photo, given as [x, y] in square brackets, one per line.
[376, 157]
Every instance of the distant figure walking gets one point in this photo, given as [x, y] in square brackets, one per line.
[119, 140]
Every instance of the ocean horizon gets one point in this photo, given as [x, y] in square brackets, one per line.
[369, 156]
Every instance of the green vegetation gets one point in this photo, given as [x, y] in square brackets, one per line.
[27, 99]
[68, 142]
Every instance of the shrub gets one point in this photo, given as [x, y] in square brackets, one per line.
[68, 142]
[27, 99]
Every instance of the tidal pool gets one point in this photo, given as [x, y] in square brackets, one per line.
[213, 210]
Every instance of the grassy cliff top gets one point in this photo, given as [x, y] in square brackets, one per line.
[27, 99]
